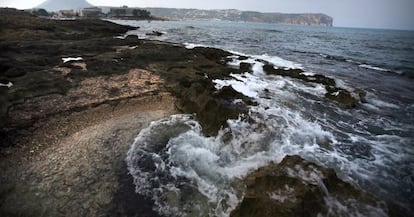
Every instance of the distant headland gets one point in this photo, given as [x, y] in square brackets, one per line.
[82, 8]
[309, 19]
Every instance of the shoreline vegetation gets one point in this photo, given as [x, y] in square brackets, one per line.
[66, 124]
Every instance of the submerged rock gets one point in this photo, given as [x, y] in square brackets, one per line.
[154, 33]
[296, 187]
[343, 97]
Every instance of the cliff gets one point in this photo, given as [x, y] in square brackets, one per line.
[246, 16]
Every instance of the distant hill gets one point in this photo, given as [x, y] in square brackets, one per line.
[247, 16]
[56, 5]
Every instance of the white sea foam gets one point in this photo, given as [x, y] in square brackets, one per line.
[352, 208]
[208, 168]
[279, 62]
[283, 194]
[308, 73]
[122, 37]
[253, 84]
[373, 68]
[342, 84]
[213, 166]
[8, 85]
[192, 45]
[247, 84]
[70, 59]
[374, 102]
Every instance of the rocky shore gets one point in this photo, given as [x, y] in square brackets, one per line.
[78, 96]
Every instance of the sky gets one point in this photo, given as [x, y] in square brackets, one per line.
[385, 14]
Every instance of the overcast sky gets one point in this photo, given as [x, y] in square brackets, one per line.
[395, 14]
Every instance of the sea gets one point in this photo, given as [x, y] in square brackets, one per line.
[370, 146]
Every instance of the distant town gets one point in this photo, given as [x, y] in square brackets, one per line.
[123, 12]
[133, 13]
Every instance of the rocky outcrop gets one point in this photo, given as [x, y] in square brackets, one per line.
[155, 33]
[87, 108]
[103, 70]
[343, 97]
[246, 16]
[31, 58]
[296, 187]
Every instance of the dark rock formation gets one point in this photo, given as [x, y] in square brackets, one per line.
[112, 72]
[339, 95]
[155, 33]
[31, 58]
[296, 187]
[32, 49]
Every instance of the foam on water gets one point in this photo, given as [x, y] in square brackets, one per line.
[8, 85]
[69, 59]
[279, 62]
[373, 68]
[370, 146]
[247, 84]
[184, 172]
[192, 46]
[373, 100]
[190, 169]
[352, 208]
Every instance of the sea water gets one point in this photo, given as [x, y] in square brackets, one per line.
[370, 146]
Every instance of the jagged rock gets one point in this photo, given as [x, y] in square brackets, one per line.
[339, 95]
[296, 187]
[342, 97]
[293, 73]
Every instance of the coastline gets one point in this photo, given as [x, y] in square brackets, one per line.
[63, 145]
[67, 125]
[79, 97]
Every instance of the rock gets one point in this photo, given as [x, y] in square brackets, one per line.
[213, 54]
[293, 73]
[243, 58]
[35, 68]
[154, 33]
[339, 95]
[296, 187]
[245, 67]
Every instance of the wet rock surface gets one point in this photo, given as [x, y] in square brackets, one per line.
[343, 97]
[296, 187]
[155, 33]
[81, 171]
[65, 127]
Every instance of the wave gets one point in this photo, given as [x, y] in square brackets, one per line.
[273, 30]
[192, 45]
[185, 172]
[333, 57]
[361, 65]
[373, 68]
